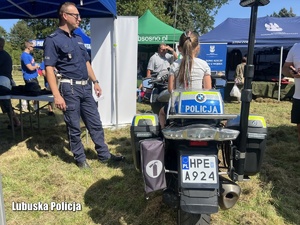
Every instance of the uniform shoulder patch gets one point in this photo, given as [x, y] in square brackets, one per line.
[52, 35]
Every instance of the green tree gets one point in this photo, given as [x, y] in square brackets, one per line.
[15, 54]
[203, 14]
[3, 32]
[197, 15]
[43, 27]
[139, 7]
[20, 33]
[284, 13]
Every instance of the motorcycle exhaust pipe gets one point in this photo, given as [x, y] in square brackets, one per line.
[229, 193]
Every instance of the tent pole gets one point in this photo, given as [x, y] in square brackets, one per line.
[2, 209]
[176, 5]
[280, 71]
[116, 73]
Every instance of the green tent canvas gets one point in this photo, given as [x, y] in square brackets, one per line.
[151, 30]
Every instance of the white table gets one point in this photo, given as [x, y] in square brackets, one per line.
[45, 98]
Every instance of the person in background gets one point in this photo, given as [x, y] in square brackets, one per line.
[161, 60]
[291, 68]
[65, 51]
[43, 72]
[239, 77]
[6, 83]
[189, 72]
[159, 63]
[29, 67]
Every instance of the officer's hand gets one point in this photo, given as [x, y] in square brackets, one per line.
[60, 103]
[97, 89]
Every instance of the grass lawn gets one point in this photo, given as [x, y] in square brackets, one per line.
[139, 81]
[40, 170]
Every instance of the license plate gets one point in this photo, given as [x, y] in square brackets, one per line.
[199, 169]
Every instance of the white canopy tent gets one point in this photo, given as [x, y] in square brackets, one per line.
[114, 60]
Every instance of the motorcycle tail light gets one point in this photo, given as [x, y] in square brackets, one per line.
[198, 143]
[200, 133]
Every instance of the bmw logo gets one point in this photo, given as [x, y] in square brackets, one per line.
[254, 123]
[200, 97]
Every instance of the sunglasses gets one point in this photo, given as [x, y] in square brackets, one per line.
[75, 15]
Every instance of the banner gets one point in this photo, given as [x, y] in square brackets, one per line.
[215, 55]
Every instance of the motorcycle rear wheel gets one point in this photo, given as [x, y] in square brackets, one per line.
[185, 218]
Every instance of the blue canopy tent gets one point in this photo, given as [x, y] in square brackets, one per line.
[20, 9]
[108, 46]
[86, 39]
[270, 32]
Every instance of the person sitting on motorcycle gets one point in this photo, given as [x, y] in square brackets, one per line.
[158, 64]
[161, 60]
[189, 72]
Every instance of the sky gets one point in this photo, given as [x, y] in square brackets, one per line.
[232, 9]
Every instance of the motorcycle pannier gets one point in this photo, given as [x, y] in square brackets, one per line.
[144, 126]
[256, 142]
[153, 168]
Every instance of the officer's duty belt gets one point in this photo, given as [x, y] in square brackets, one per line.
[71, 81]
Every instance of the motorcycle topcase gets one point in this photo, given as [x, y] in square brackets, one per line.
[144, 126]
[198, 102]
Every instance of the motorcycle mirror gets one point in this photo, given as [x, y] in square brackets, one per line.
[147, 84]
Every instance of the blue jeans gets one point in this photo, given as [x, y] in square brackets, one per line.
[80, 103]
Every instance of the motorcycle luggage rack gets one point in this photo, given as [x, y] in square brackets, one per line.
[219, 117]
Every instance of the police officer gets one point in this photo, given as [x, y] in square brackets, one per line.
[65, 51]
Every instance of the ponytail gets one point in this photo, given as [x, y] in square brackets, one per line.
[189, 42]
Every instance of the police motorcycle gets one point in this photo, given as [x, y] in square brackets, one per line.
[149, 92]
[194, 160]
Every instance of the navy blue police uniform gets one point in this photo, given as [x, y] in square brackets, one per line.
[68, 55]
